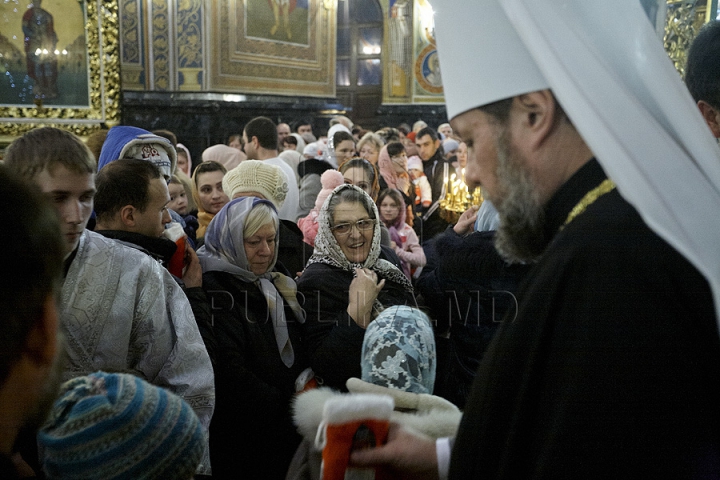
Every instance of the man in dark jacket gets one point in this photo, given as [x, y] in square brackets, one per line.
[431, 152]
[131, 206]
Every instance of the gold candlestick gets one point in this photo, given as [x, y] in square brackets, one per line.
[457, 197]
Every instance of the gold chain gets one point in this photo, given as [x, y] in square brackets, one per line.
[605, 187]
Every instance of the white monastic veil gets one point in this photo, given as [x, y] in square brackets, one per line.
[605, 64]
[608, 69]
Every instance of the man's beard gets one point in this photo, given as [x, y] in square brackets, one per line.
[520, 237]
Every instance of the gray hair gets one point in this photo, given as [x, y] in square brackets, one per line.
[260, 215]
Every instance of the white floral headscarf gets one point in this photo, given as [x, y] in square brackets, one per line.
[328, 251]
[399, 351]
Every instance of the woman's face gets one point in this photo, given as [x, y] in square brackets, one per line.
[462, 153]
[399, 163]
[358, 177]
[210, 191]
[178, 199]
[260, 249]
[344, 151]
[355, 243]
[389, 210]
[370, 153]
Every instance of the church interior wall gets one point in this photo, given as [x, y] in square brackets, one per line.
[203, 68]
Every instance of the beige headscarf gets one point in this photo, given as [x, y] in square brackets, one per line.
[228, 157]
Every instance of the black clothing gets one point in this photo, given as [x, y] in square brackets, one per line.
[389, 254]
[433, 168]
[68, 261]
[468, 288]
[160, 248]
[434, 224]
[382, 184]
[251, 433]
[333, 339]
[611, 368]
[293, 253]
[313, 165]
[7, 469]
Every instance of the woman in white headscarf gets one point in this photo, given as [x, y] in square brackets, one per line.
[399, 360]
[259, 357]
[346, 283]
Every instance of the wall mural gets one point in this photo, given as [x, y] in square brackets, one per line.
[278, 20]
[132, 52]
[58, 65]
[189, 45]
[282, 47]
[44, 53]
[399, 44]
[427, 86]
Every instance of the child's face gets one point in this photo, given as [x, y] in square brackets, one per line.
[414, 173]
[178, 200]
[389, 210]
[182, 162]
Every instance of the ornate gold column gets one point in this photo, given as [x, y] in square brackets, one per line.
[682, 23]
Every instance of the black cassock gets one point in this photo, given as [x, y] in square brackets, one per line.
[611, 368]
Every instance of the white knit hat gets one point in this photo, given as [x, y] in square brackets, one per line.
[257, 176]
[415, 162]
[315, 150]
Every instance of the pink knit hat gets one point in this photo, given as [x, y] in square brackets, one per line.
[329, 180]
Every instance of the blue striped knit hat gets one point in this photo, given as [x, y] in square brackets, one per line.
[114, 426]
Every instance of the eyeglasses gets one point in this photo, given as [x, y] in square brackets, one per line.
[345, 228]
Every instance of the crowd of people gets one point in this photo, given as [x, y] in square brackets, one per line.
[215, 282]
[166, 318]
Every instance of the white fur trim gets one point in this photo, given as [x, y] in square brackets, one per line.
[351, 408]
[441, 419]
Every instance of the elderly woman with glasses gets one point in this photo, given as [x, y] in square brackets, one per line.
[347, 282]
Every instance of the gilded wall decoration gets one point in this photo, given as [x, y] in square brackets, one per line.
[189, 44]
[398, 63]
[66, 74]
[267, 46]
[427, 84]
[161, 39]
[683, 21]
[132, 45]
